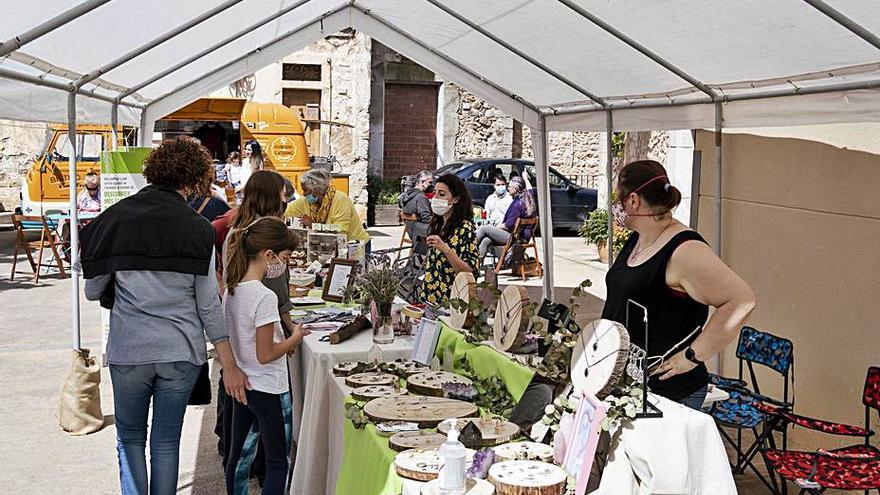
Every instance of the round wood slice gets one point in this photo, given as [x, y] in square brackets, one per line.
[472, 486]
[409, 367]
[464, 287]
[344, 368]
[512, 317]
[426, 411]
[524, 451]
[369, 378]
[527, 478]
[371, 392]
[421, 439]
[431, 382]
[494, 432]
[598, 359]
[422, 465]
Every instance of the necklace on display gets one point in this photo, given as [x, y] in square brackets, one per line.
[637, 250]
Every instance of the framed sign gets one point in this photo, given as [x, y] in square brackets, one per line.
[426, 341]
[584, 438]
[339, 277]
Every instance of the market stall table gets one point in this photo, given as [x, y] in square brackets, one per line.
[311, 370]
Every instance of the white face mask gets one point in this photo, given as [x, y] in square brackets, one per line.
[439, 206]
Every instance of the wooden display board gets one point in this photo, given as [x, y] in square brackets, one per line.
[529, 451]
[423, 465]
[428, 412]
[371, 392]
[493, 431]
[421, 439]
[431, 382]
[527, 478]
[464, 287]
[370, 378]
[512, 317]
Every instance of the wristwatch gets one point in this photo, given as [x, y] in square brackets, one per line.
[691, 356]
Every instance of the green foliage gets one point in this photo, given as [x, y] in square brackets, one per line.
[379, 282]
[493, 395]
[480, 331]
[618, 144]
[555, 364]
[595, 230]
[354, 412]
[381, 191]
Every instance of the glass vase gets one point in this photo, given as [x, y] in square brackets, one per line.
[383, 330]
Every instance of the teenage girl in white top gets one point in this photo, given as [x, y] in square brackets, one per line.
[259, 250]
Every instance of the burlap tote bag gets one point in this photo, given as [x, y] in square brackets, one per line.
[80, 410]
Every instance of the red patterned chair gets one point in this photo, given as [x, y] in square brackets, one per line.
[856, 467]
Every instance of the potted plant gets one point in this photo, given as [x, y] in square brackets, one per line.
[378, 285]
[595, 231]
[383, 196]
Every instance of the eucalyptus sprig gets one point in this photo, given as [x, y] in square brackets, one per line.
[354, 412]
[492, 392]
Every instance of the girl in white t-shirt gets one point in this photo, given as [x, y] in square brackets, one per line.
[259, 250]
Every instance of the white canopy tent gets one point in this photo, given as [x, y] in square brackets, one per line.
[598, 65]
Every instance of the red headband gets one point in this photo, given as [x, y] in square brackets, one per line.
[650, 181]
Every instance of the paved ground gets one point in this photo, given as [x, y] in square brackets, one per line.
[36, 457]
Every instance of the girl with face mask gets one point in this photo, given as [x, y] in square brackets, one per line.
[672, 271]
[452, 240]
[498, 203]
[259, 250]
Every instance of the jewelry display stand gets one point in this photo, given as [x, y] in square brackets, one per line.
[648, 410]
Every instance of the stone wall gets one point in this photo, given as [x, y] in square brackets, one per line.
[571, 153]
[483, 131]
[20, 142]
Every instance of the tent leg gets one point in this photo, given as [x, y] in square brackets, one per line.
[114, 122]
[145, 133]
[539, 146]
[609, 171]
[74, 223]
[716, 361]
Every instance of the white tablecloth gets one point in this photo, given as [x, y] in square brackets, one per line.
[314, 412]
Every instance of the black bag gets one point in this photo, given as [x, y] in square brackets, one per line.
[201, 392]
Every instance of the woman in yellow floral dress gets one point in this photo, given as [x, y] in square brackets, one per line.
[452, 240]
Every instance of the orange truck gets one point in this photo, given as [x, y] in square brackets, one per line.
[236, 121]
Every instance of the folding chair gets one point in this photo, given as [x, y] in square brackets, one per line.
[407, 220]
[856, 467]
[48, 240]
[748, 409]
[521, 223]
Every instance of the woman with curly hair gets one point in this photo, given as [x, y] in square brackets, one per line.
[150, 259]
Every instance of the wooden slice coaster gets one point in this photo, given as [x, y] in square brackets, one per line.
[471, 487]
[426, 411]
[370, 378]
[422, 465]
[512, 317]
[421, 439]
[431, 382]
[410, 368]
[528, 451]
[371, 392]
[344, 368]
[527, 478]
[494, 432]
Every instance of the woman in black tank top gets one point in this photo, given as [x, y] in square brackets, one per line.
[670, 270]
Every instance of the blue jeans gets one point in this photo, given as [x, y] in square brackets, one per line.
[695, 400]
[169, 386]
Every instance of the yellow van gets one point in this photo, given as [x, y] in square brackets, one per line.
[222, 124]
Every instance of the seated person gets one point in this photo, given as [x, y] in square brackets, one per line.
[498, 203]
[89, 200]
[523, 206]
[414, 202]
[322, 203]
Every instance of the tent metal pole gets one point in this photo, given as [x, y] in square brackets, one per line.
[718, 121]
[638, 47]
[838, 17]
[114, 121]
[556, 75]
[545, 214]
[278, 39]
[609, 186]
[445, 58]
[14, 43]
[213, 48]
[154, 43]
[143, 131]
[813, 90]
[38, 81]
[74, 223]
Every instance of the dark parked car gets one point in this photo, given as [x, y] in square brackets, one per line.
[571, 202]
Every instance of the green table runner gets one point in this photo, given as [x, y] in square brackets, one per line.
[368, 463]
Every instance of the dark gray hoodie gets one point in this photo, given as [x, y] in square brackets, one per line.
[414, 202]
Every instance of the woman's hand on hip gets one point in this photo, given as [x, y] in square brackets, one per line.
[236, 383]
[675, 365]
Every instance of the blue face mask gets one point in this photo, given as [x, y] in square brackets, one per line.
[500, 190]
[311, 199]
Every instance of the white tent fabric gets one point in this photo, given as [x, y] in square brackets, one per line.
[597, 65]
[529, 57]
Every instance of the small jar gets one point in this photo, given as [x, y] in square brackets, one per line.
[410, 317]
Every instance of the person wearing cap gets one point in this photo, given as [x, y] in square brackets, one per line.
[670, 269]
[322, 203]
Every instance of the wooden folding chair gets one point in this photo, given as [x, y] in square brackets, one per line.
[47, 240]
[521, 223]
[406, 219]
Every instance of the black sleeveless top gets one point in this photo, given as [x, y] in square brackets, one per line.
[672, 314]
